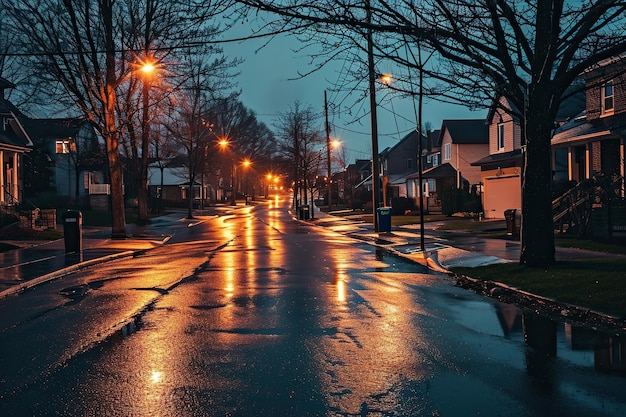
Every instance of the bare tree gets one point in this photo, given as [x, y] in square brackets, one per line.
[72, 45]
[246, 137]
[529, 51]
[298, 138]
[85, 51]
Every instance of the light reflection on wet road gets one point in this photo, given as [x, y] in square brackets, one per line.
[288, 320]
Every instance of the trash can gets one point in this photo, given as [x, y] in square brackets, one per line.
[73, 231]
[304, 212]
[384, 219]
[511, 227]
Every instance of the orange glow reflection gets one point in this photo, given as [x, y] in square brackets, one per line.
[157, 376]
[341, 291]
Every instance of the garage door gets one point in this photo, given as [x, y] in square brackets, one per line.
[501, 193]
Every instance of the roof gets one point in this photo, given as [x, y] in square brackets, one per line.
[581, 129]
[397, 179]
[14, 134]
[465, 131]
[57, 128]
[572, 103]
[503, 157]
[4, 84]
[440, 171]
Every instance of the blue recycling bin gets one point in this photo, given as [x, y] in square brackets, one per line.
[384, 219]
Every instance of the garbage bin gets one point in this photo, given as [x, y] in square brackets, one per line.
[511, 228]
[73, 231]
[384, 219]
[304, 212]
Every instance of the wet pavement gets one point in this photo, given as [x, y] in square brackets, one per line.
[29, 266]
[238, 322]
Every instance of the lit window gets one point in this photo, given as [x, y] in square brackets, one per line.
[446, 152]
[500, 136]
[64, 146]
[607, 97]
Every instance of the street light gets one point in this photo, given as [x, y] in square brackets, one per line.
[147, 69]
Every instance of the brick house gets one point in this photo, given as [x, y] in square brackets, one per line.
[590, 149]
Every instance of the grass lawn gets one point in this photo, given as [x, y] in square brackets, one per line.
[597, 284]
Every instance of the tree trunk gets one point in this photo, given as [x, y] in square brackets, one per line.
[118, 214]
[537, 226]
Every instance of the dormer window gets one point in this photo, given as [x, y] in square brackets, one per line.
[607, 97]
[500, 144]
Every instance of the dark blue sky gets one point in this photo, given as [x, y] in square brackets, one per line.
[269, 87]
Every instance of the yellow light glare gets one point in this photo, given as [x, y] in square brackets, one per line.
[156, 377]
[147, 68]
[386, 78]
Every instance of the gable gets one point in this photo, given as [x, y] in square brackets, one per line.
[465, 131]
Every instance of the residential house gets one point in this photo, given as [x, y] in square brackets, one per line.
[358, 186]
[501, 170]
[73, 147]
[14, 143]
[397, 162]
[168, 184]
[458, 144]
[431, 158]
[592, 146]
[593, 142]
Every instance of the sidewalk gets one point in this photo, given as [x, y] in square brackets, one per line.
[448, 248]
[34, 264]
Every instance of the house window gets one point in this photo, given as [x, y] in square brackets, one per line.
[446, 152]
[428, 187]
[64, 146]
[409, 164]
[500, 136]
[435, 159]
[607, 97]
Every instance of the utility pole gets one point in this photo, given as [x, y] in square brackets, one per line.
[330, 178]
[374, 119]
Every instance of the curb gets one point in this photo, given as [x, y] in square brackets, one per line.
[65, 271]
[16, 289]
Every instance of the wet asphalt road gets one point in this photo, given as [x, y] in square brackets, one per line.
[253, 314]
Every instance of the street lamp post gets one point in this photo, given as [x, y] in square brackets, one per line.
[224, 145]
[147, 69]
[246, 164]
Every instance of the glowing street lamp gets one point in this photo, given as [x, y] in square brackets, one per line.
[224, 145]
[246, 164]
[147, 68]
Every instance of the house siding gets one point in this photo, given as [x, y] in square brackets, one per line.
[461, 156]
[512, 135]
